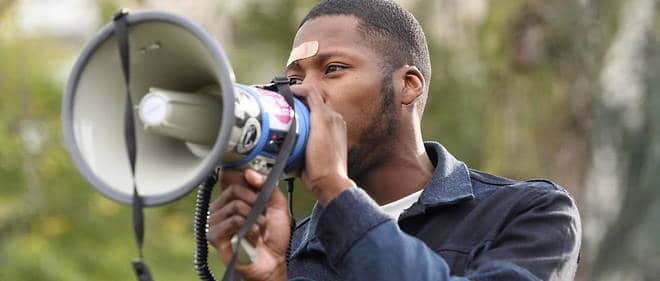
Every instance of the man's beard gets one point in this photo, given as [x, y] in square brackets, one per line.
[375, 142]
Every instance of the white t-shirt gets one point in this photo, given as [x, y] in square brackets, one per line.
[394, 209]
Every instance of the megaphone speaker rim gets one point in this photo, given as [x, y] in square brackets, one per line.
[224, 74]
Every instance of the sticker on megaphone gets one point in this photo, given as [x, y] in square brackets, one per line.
[262, 120]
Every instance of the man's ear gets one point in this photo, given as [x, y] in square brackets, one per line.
[411, 84]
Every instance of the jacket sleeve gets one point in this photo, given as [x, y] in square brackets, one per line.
[363, 243]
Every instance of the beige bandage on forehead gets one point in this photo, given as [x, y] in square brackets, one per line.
[305, 50]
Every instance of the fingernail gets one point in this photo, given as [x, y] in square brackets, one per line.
[261, 177]
[257, 176]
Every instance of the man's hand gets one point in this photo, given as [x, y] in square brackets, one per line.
[325, 172]
[270, 235]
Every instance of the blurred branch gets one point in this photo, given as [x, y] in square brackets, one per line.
[625, 154]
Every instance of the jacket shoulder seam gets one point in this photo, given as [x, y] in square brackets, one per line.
[486, 178]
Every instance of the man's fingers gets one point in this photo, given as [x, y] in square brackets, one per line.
[230, 177]
[230, 226]
[233, 192]
[254, 178]
[277, 199]
[314, 98]
[311, 95]
[220, 235]
[225, 229]
[236, 207]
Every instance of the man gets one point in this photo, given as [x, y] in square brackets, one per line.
[390, 206]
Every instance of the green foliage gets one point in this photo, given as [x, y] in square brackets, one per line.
[264, 27]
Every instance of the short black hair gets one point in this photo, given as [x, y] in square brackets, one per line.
[390, 29]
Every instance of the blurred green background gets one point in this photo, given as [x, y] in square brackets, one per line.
[567, 90]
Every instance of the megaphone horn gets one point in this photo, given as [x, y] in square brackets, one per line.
[191, 116]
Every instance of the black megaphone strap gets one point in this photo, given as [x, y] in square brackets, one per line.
[121, 35]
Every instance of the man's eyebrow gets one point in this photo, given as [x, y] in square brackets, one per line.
[294, 66]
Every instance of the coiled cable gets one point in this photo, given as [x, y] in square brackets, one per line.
[200, 227]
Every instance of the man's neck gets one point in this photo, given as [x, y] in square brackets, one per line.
[405, 171]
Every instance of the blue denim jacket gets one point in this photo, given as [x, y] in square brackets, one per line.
[466, 225]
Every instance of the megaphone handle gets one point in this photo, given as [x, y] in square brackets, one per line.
[246, 251]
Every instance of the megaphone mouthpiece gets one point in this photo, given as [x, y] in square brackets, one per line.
[190, 117]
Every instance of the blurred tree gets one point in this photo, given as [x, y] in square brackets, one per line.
[625, 145]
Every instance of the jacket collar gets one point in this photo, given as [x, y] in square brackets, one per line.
[449, 184]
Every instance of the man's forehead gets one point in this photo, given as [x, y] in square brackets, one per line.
[329, 31]
[302, 51]
[327, 26]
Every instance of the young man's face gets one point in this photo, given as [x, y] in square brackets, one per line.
[350, 76]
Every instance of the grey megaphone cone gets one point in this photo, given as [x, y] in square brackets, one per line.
[168, 52]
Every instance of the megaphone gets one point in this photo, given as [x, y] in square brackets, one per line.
[191, 116]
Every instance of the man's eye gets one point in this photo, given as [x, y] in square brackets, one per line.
[334, 67]
[295, 81]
